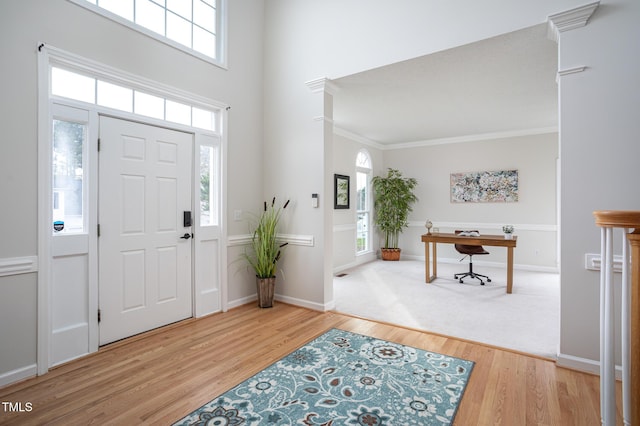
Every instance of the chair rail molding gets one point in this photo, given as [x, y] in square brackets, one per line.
[569, 20]
[490, 226]
[18, 265]
[296, 240]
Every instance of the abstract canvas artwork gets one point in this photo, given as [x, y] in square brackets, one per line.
[499, 186]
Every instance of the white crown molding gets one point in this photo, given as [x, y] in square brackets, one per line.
[472, 138]
[569, 20]
[357, 138]
[322, 84]
[431, 142]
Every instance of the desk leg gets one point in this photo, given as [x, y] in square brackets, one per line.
[509, 269]
[435, 261]
[427, 264]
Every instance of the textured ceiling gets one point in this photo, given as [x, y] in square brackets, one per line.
[500, 85]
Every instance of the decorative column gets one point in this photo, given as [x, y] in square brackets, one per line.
[629, 221]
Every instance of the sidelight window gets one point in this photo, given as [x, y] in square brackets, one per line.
[69, 141]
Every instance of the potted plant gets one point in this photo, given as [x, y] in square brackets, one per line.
[393, 196]
[265, 250]
[508, 232]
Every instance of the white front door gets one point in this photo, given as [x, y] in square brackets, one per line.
[144, 248]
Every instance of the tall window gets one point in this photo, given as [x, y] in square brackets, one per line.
[363, 202]
[191, 25]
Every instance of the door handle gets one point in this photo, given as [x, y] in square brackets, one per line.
[186, 236]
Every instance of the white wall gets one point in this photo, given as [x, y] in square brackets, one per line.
[599, 153]
[306, 40]
[24, 24]
[534, 215]
[345, 152]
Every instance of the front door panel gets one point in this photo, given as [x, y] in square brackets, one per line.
[144, 247]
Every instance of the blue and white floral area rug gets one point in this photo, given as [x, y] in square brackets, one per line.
[342, 378]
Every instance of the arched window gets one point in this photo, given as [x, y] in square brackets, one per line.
[363, 202]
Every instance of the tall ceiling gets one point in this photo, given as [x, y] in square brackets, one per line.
[500, 85]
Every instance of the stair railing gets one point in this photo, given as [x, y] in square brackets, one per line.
[629, 221]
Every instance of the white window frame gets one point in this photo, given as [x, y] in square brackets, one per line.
[221, 31]
[368, 172]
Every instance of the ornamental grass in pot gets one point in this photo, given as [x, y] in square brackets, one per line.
[393, 199]
[265, 251]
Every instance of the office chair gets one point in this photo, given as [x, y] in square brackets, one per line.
[470, 251]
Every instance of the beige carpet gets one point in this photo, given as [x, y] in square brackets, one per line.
[526, 320]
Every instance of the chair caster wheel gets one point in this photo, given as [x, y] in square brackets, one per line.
[481, 282]
[461, 282]
[488, 280]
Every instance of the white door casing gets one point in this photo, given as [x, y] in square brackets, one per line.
[145, 267]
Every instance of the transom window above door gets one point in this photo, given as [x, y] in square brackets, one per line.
[194, 26]
[92, 90]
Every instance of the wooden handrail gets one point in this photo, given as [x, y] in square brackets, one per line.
[630, 222]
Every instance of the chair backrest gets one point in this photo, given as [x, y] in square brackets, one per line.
[467, 249]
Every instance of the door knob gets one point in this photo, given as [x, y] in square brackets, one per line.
[186, 236]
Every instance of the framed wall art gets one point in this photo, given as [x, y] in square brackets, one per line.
[340, 191]
[499, 186]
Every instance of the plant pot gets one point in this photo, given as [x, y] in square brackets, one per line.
[508, 236]
[266, 288]
[390, 253]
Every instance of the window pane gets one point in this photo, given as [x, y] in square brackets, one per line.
[122, 8]
[181, 7]
[74, 86]
[150, 15]
[363, 160]
[149, 105]
[178, 113]
[203, 119]
[204, 42]
[361, 191]
[204, 15]
[68, 143]
[362, 232]
[178, 29]
[206, 162]
[114, 96]
[176, 20]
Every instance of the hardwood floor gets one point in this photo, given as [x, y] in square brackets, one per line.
[162, 375]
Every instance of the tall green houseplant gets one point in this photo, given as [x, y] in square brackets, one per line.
[393, 197]
[265, 251]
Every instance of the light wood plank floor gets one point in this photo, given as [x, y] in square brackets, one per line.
[162, 375]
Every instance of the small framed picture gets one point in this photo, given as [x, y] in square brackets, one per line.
[340, 191]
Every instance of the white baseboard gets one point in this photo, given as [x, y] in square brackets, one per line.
[583, 364]
[305, 303]
[242, 301]
[18, 374]
[365, 258]
[285, 299]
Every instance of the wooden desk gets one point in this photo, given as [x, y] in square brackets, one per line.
[483, 240]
